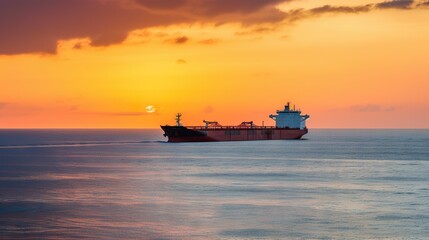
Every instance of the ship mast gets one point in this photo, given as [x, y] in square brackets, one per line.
[178, 123]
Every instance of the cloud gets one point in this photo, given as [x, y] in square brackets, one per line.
[425, 3]
[389, 109]
[218, 7]
[209, 8]
[209, 41]
[398, 4]
[3, 105]
[36, 26]
[367, 108]
[78, 46]
[371, 108]
[208, 109]
[162, 4]
[177, 40]
[298, 14]
[340, 9]
[181, 40]
[256, 30]
[17, 109]
[181, 61]
[123, 114]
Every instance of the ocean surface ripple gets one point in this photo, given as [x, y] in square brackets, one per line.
[131, 184]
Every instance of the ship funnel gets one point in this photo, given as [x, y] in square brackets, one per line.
[287, 106]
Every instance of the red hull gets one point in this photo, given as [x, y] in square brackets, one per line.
[183, 134]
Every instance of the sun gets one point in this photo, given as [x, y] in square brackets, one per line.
[150, 109]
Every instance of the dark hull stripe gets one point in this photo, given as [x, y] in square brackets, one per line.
[183, 134]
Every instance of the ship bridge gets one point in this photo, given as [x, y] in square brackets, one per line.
[289, 118]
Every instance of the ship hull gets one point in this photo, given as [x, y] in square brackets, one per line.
[184, 134]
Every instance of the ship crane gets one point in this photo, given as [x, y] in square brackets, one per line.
[211, 123]
[246, 124]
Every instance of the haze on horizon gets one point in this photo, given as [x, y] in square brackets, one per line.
[102, 63]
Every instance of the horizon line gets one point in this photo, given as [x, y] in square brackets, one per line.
[125, 128]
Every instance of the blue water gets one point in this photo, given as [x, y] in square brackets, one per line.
[130, 184]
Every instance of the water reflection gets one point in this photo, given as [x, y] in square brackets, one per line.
[243, 190]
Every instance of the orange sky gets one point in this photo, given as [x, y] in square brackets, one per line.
[348, 66]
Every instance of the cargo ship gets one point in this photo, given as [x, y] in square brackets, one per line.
[289, 124]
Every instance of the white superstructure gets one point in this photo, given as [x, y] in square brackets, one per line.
[289, 118]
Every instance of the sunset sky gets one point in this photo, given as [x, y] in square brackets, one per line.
[100, 63]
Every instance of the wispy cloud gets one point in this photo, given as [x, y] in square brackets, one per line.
[340, 9]
[181, 40]
[208, 109]
[398, 4]
[3, 104]
[298, 14]
[181, 61]
[122, 114]
[256, 30]
[372, 108]
[78, 45]
[423, 4]
[209, 41]
[16, 109]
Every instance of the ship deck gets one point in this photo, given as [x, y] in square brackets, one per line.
[203, 128]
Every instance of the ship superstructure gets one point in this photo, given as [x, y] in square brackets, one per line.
[289, 118]
[289, 124]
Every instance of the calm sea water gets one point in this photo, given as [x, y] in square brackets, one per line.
[130, 184]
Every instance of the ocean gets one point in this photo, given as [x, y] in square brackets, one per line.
[131, 184]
